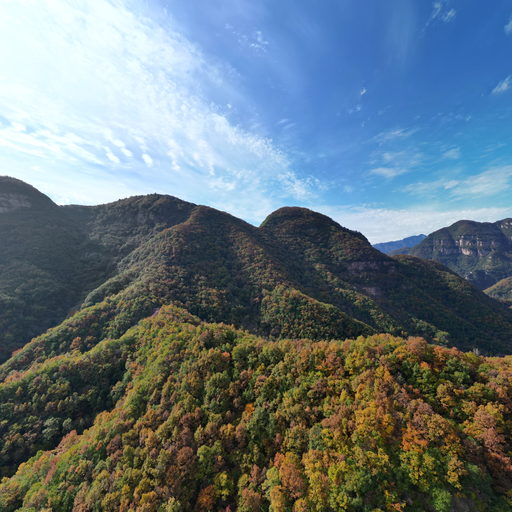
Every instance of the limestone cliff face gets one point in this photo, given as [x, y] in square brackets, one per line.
[478, 251]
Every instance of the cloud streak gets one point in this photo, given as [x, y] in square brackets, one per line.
[488, 183]
[382, 224]
[107, 94]
[503, 86]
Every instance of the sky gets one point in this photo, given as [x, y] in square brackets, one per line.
[394, 118]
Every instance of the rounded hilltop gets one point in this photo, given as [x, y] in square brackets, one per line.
[16, 194]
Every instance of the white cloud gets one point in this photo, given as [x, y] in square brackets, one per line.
[255, 40]
[86, 86]
[508, 27]
[449, 15]
[395, 134]
[113, 158]
[387, 172]
[147, 159]
[383, 225]
[485, 184]
[441, 11]
[452, 154]
[392, 163]
[503, 86]
[363, 91]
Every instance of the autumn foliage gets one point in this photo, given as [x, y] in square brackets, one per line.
[209, 418]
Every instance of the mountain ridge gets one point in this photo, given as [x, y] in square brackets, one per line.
[141, 395]
[158, 249]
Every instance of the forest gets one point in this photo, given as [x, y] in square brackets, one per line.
[194, 416]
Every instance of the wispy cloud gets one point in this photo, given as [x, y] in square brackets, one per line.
[488, 183]
[255, 40]
[395, 154]
[508, 27]
[395, 134]
[387, 172]
[441, 11]
[503, 86]
[452, 154]
[383, 225]
[108, 96]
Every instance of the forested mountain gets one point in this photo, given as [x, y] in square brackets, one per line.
[399, 245]
[201, 417]
[300, 274]
[502, 290]
[130, 401]
[478, 251]
[52, 257]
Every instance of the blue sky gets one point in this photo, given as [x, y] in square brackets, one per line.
[392, 117]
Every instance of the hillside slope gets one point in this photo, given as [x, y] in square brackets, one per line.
[53, 256]
[502, 290]
[298, 275]
[206, 417]
[478, 251]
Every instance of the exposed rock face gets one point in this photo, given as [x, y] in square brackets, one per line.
[478, 251]
[16, 194]
[11, 202]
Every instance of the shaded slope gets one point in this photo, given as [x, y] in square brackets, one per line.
[502, 290]
[300, 274]
[211, 418]
[45, 261]
[53, 256]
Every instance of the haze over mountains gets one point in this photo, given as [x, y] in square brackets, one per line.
[399, 245]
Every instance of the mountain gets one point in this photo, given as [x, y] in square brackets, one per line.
[502, 290]
[190, 416]
[53, 256]
[140, 397]
[399, 245]
[300, 274]
[478, 251]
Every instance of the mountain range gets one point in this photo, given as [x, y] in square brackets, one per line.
[140, 253]
[171, 357]
[399, 245]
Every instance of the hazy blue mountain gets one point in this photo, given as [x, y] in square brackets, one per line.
[398, 245]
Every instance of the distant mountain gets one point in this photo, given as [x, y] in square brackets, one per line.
[300, 274]
[399, 245]
[478, 251]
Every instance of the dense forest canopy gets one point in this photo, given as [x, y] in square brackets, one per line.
[207, 417]
[184, 360]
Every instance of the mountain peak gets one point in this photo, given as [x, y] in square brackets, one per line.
[295, 218]
[16, 194]
[293, 213]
